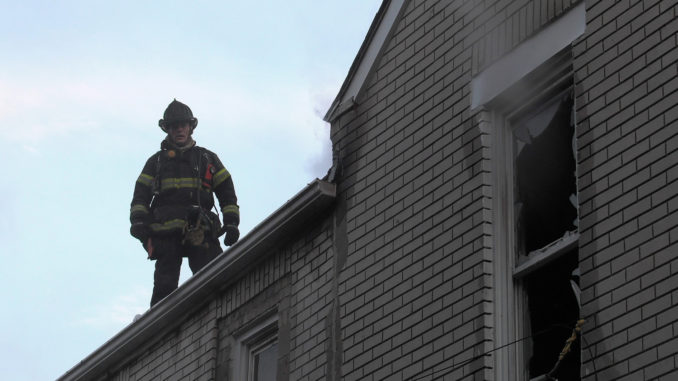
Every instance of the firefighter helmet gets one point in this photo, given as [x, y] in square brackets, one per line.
[177, 112]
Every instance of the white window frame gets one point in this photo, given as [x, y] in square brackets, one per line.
[254, 339]
[509, 297]
[511, 316]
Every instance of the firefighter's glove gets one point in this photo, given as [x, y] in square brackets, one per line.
[140, 231]
[232, 235]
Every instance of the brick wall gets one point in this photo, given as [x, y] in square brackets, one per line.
[626, 70]
[186, 353]
[510, 22]
[311, 282]
[414, 289]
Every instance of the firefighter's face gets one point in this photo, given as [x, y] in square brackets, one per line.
[180, 133]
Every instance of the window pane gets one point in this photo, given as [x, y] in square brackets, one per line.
[266, 364]
[545, 175]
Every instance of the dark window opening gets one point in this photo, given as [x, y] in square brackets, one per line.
[554, 310]
[546, 212]
[545, 175]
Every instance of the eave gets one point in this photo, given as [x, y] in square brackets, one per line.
[369, 53]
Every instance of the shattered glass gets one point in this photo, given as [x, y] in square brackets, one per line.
[546, 201]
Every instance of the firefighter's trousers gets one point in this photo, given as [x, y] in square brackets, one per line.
[169, 252]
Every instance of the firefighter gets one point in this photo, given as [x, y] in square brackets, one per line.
[171, 211]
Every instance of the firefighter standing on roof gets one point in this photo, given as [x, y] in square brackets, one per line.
[171, 212]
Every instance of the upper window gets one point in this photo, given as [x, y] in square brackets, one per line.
[535, 209]
[257, 352]
[263, 359]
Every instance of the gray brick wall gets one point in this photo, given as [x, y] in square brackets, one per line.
[186, 353]
[504, 24]
[416, 277]
[626, 69]
[310, 299]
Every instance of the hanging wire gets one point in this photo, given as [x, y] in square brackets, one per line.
[454, 367]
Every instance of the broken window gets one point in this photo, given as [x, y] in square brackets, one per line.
[546, 202]
[546, 221]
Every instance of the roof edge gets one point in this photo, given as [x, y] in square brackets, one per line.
[223, 271]
[371, 49]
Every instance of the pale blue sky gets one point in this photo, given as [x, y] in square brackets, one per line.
[82, 86]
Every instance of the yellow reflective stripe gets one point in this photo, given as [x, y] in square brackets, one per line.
[220, 177]
[184, 182]
[139, 208]
[145, 179]
[168, 225]
[231, 209]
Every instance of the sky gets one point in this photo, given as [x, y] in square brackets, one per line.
[82, 86]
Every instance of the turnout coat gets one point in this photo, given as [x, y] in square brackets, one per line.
[176, 188]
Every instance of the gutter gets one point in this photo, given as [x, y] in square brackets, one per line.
[225, 270]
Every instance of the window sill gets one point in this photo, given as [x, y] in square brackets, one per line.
[540, 258]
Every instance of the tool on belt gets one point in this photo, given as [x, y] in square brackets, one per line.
[198, 224]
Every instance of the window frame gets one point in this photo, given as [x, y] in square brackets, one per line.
[510, 268]
[251, 341]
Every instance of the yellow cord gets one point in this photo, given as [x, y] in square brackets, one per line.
[571, 339]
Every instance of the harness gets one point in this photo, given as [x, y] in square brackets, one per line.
[198, 219]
